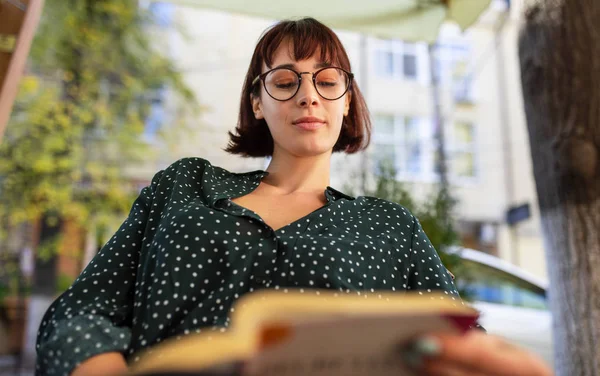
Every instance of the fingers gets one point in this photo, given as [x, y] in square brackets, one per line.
[476, 350]
[437, 367]
[473, 354]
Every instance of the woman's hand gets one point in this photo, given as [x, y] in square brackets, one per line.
[473, 354]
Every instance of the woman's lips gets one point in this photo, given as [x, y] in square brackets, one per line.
[310, 125]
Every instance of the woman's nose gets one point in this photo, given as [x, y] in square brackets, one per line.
[307, 94]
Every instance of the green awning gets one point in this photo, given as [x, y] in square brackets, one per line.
[410, 20]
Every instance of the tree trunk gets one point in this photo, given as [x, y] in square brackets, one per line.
[559, 50]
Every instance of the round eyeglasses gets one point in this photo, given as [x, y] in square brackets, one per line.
[283, 83]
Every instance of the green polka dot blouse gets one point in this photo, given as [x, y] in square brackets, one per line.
[186, 253]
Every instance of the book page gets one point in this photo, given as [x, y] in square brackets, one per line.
[353, 346]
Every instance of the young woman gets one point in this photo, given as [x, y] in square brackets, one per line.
[199, 237]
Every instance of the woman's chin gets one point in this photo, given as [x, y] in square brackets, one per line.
[306, 151]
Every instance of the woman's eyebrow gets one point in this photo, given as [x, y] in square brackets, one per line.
[288, 66]
[293, 66]
[322, 65]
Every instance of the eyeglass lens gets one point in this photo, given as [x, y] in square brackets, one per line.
[283, 83]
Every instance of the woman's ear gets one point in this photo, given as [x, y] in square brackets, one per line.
[347, 103]
[256, 107]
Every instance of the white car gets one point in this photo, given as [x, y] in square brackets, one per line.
[512, 302]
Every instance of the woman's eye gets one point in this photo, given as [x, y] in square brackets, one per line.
[327, 83]
[285, 85]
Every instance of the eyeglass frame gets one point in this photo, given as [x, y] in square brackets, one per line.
[262, 76]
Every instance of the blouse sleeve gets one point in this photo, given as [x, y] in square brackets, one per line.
[426, 273]
[94, 315]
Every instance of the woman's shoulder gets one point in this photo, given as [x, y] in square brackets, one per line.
[183, 167]
[392, 209]
[199, 165]
[188, 163]
[197, 177]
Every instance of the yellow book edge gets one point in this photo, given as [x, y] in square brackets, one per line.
[257, 312]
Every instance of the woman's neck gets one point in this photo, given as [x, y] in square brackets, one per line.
[290, 174]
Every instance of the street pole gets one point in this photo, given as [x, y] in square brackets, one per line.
[438, 117]
[503, 98]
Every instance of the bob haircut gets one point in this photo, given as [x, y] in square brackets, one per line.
[252, 137]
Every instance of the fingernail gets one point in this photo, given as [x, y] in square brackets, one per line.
[415, 354]
[427, 346]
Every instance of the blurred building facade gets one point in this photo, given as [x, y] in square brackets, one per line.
[486, 139]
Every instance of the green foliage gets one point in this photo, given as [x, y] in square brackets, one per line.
[50, 247]
[63, 282]
[7, 277]
[4, 291]
[80, 113]
[12, 282]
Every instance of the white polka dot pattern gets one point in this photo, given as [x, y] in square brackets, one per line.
[187, 252]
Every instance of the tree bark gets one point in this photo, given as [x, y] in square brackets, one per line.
[559, 49]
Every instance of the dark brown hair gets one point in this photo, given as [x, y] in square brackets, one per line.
[252, 137]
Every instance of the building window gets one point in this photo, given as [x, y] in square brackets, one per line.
[404, 144]
[384, 137]
[385, 62]
[462, 151]
[409, 65]
[398, 59]
[407, 145]
[455, 70]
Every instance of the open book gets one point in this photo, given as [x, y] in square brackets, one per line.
[318, 333]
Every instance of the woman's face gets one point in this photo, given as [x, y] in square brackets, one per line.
[307, 124]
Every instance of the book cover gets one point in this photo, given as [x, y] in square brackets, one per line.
[319, 333]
